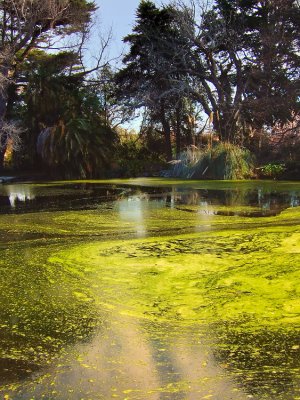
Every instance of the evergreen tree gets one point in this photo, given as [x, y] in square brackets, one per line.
[149, 78]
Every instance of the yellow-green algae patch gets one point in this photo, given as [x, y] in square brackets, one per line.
[236, 275]
[110, 223]
[43, 309]
[232, 275]
[189, 183]
[242, 283]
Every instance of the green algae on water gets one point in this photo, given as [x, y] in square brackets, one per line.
[213, 276]
[191, 267]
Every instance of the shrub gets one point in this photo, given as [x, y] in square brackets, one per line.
[81, 148]
[272, 170]
[222, 161]
[134, 158]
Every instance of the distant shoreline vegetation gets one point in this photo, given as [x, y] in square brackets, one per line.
[215, 89]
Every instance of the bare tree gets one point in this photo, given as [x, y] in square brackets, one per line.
[12, 132]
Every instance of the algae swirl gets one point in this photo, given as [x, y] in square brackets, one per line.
[164, 274]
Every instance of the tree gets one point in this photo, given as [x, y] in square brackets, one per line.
[148, 79]
[272, 64]
[24, 25]
[238, 59]
[44, 91]
[66, 124]
[116, 112]
[242, 57]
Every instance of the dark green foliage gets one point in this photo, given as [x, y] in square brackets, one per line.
[251, 50]
[82, 148]
[227, 161]
[151, 76]
[137, 157]
[238, 59]
[65, 118]
[272, 92]
[25, 26]
[80, 144]
[272, 170]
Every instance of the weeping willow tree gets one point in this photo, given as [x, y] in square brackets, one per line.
[67, 128]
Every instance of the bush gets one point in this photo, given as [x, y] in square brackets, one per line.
[272, 170]
[81, 148]
[133, 158]
[222, 161]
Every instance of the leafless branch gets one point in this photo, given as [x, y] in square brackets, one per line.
[11, 133]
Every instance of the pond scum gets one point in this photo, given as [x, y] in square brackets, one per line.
[234, 280]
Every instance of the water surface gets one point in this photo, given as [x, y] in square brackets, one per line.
[150, 289]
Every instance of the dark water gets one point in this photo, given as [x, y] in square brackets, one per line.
[150, 290]
[23, 198]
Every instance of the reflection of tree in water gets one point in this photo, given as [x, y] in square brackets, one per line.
[81, 196]
[264, 362]
[166, 369]
[263, 199]
[185, 364]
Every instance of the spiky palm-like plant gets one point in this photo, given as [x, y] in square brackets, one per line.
[66, 120]
[79, 148]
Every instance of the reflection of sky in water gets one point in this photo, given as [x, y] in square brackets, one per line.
[141, 360]
[136, 209]
[17, 193]
[206, 210]
[295, 201]
[133, 209]
[133, 202]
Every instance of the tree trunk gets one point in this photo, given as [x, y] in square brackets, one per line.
[3, 135]
[178, 132]
[226, 125]
[167, 133]
[3, 108]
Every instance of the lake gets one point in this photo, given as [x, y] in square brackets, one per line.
[150, 289]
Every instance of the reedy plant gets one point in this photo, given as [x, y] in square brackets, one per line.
[221, 161]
